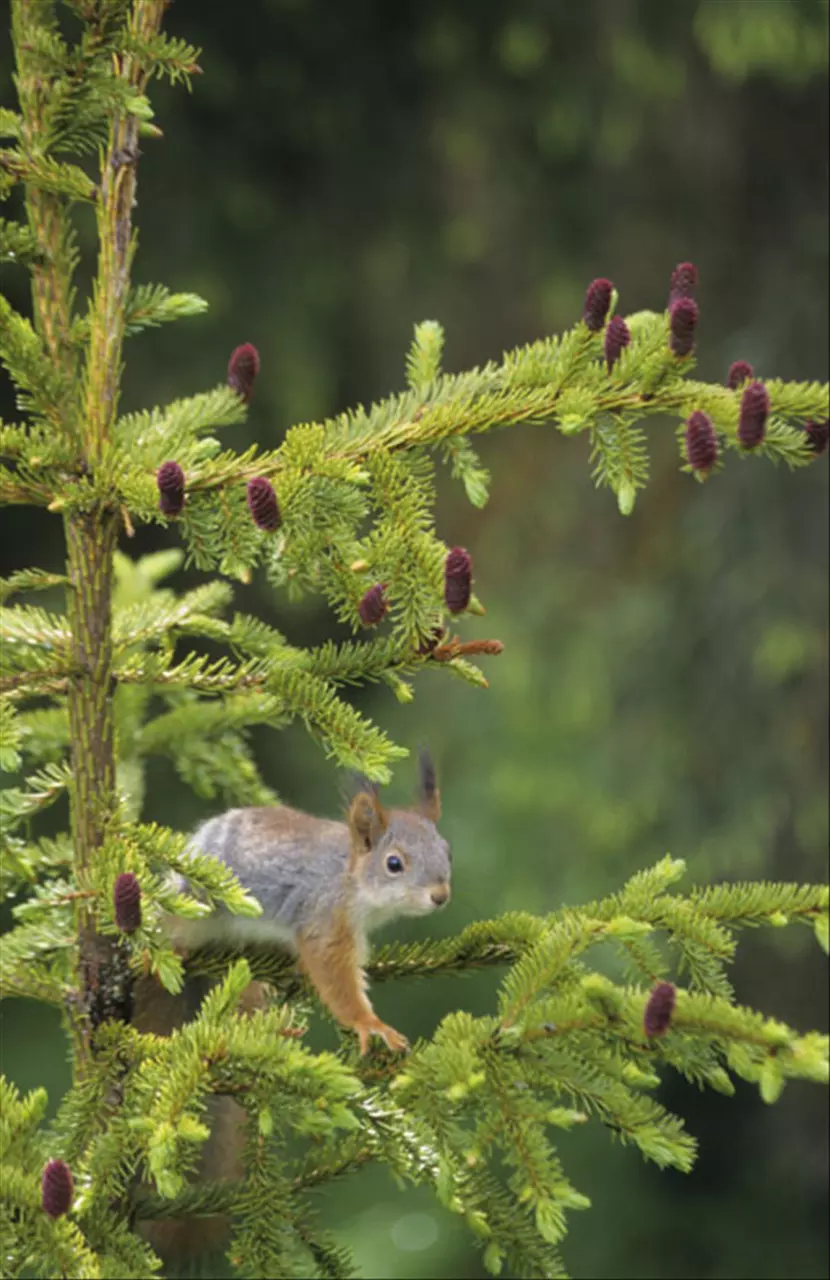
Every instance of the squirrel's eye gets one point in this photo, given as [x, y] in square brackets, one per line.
[394, 864]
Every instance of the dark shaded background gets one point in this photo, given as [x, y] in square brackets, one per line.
[341, 172]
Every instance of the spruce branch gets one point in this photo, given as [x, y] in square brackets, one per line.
[51, 249]
[13, 439]
[31, 683]
[47, 176]
[504, 941]
[198, 1201]
[29, 580]
[342, 507]
[19, 804]
[45, 384]
[151, 305]
[524, 389]
[164, 56]
[115, 202]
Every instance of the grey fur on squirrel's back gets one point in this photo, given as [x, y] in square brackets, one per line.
[268, 850]
[302, 871]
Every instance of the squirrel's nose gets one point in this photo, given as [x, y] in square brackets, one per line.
[441, 895]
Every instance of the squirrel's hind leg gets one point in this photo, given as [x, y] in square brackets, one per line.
[332, 963]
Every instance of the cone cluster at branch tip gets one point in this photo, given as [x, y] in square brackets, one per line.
[263, 505]
[617, 336]
[683, 283]
[373, 606]
[126, 898]
[752, 422]
[243, 368]
[56, 1188]
[458, 579]
[659, 1010]
[683, 314]
[597, 302]
[739, 373]
[701, 442]
[170, 481]
[818, 435]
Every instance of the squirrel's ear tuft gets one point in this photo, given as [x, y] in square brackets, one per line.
[367, 820]
[429, 795]
[355, 782]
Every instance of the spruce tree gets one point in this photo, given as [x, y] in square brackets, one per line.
[342, 508]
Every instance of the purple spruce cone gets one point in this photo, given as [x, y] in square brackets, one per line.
[458, 579]
[659, 1010]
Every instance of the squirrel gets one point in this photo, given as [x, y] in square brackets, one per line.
[323, 886]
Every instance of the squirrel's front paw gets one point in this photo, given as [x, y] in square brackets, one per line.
[393, 1039]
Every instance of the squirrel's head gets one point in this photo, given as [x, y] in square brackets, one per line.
[400, 862]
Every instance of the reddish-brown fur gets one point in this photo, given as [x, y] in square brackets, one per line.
[333, 965]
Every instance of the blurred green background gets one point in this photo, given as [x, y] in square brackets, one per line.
[341, 172]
